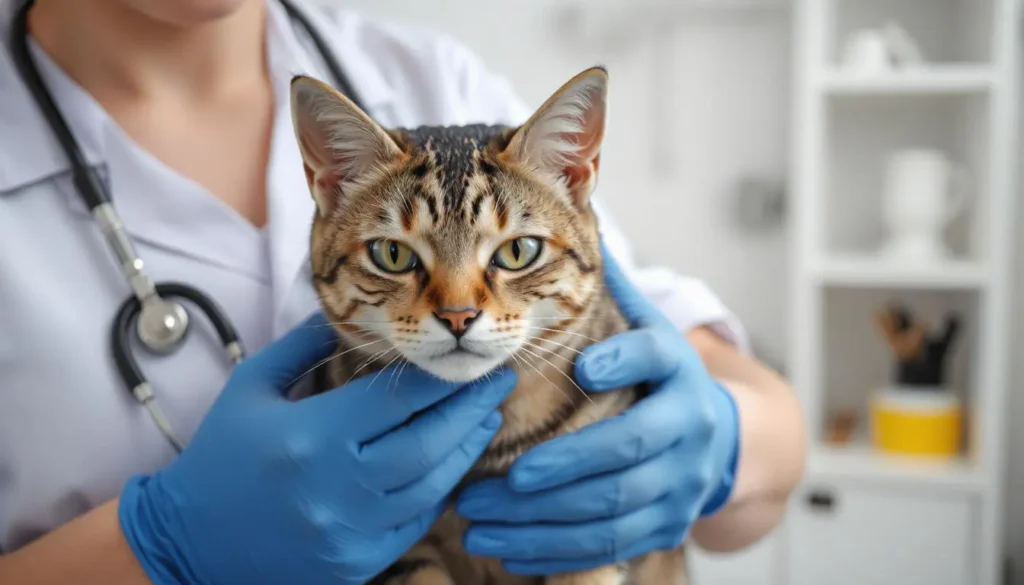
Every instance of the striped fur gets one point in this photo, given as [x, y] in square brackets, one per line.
[454, 195]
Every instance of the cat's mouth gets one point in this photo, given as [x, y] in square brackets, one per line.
[459, 363]
[460, 350]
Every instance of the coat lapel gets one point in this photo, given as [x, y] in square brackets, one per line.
[156, 205]
[290, 204]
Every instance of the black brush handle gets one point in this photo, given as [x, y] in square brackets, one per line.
[952, 328]
[903, 318]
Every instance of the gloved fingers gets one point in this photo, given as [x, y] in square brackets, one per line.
[407, 534]
[630, 358]
[601, 538]
[666, 539]
[643, 431]
[408, 501]
[601, 497]
[634, 305]
[416, 448]
[283, 361]
[385, 400]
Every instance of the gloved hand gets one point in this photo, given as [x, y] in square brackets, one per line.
[623, 486]
[326, 490]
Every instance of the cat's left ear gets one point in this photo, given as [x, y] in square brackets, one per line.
[563, 138]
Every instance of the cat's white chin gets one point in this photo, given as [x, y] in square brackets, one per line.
[459, 366]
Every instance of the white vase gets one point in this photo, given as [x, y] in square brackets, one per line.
[924, 191]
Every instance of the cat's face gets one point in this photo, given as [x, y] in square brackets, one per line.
[454, 248]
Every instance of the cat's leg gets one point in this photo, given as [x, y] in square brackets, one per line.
[610, 575]
[420, 565]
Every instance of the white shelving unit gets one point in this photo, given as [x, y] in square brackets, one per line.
[864, 518]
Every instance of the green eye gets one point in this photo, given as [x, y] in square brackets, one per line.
[392, 256]
[517, 254]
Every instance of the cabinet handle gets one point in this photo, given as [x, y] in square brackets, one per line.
[821, 500]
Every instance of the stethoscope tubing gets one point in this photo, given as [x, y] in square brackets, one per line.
[129, 311]
[97, 199]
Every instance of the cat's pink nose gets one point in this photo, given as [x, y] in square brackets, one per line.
[457, 320]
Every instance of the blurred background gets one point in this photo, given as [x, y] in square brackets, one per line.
[843, 173]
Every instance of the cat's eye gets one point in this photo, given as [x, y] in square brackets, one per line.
[394, 257]
[517, 254]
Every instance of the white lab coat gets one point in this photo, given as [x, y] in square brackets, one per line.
[70, 433]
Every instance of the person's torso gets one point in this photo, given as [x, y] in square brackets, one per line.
[70, 432]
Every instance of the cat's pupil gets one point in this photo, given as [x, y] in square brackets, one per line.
[515, 250]
[393, 252]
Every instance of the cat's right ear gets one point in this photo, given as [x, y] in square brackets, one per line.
[340, 144]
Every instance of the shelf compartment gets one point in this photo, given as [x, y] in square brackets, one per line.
[864, 271]
[860, 135]
[921, 81]
[857, 361]
[946, 31]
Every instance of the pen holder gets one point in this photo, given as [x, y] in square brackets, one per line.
[916, 420]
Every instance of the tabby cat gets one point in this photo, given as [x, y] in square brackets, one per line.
[461, 249]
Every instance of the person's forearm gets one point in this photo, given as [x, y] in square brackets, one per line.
[773, 447]
[89, 550]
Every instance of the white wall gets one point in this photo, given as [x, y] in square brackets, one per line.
[729, 91]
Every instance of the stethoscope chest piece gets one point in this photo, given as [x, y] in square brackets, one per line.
[159, 320]
[162, 325]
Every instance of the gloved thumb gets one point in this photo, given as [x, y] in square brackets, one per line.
[285, 360]
[633, 304]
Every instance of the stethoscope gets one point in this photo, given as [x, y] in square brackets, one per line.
[161, 322]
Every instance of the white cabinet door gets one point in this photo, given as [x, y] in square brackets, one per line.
[756, 565]
[877, 536]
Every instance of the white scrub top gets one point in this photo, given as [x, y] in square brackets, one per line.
[70, 433]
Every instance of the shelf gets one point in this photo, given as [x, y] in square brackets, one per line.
[867, 272]
[944, 31]
[935, 81]
[859, 462]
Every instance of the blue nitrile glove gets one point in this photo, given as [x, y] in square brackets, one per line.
[624, 486]
[326, 490]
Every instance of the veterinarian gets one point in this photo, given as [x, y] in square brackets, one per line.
[179, 112]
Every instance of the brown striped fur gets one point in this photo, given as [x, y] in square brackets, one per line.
[453, 195]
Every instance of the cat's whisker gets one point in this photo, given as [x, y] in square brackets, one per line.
[398, 377]
[340, 323]
[568, 333]
[559, 344]
[379, 372]
[561, 320]
[392, 377]
[567, 318]
[333, 357]
[546, 379]
[559, 370]
[551, 351]
[369, 361]
[516, 359]
[495, 338]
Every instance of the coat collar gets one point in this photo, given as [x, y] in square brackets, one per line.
[24, 131]
[291, 207]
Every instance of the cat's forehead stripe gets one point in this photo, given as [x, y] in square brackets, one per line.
[454, 153]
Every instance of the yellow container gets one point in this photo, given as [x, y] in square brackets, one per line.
[922, 422]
